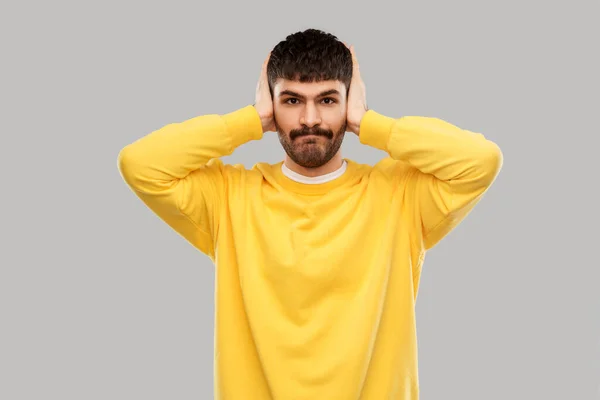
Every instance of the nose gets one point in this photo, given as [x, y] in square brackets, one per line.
[311, 116]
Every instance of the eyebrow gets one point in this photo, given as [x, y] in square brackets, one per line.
[322, 94]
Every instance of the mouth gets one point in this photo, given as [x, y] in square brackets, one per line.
[310, 136]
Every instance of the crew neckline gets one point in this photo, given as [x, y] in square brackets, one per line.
[315, 187]
[314, 180]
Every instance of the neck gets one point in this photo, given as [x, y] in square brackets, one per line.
[332, 165]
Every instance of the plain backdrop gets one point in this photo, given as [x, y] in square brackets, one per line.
[99, 299]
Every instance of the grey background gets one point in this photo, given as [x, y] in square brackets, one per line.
[99, 299]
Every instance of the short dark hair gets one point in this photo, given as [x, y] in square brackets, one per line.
[310, 56]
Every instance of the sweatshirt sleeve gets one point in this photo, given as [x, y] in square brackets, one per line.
[176, 170]
[447, 169]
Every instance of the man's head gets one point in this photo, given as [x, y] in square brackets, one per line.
[309, 77]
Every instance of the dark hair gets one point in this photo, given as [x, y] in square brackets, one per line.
[310, 56]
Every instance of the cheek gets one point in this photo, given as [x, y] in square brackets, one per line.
[334, 116]
[336, 120]
[284, 118]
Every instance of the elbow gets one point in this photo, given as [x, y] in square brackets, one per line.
[123, 160]
[140, 173]
[491, 162]
[126, 164]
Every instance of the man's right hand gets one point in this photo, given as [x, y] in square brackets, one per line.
[264, 102]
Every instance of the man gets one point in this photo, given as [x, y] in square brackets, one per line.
[317, 257]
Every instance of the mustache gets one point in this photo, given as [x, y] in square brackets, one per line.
[296, 133]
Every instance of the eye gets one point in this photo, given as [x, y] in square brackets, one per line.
[331, 100]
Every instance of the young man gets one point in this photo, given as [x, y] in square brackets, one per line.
[317, 257]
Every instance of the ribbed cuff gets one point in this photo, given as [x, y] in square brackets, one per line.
[244, 125]
[375, 130]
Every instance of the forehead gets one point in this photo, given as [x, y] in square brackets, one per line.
[307, 89]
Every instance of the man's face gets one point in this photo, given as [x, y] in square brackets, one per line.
[310, 119]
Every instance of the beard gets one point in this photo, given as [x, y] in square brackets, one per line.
[311, 152]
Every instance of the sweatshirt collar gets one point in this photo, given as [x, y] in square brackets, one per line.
[296, 183]
[313, 180]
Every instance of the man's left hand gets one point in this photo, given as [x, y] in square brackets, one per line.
[357, 97]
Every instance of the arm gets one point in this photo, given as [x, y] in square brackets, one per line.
[176, 172]
[447, 169]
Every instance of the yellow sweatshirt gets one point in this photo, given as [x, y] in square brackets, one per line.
[316, 284]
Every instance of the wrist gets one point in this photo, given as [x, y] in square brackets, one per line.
[266, 120]
[354, 128]
[354, 125]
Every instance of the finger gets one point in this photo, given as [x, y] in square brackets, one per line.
[263, 75]
[354, 59]
[266, 62]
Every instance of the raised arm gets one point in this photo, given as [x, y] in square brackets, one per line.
[445, 169]
[441, 169]
[176, 170]
[177, 173]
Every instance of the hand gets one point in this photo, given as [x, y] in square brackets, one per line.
[357, 97]
[264, 102]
